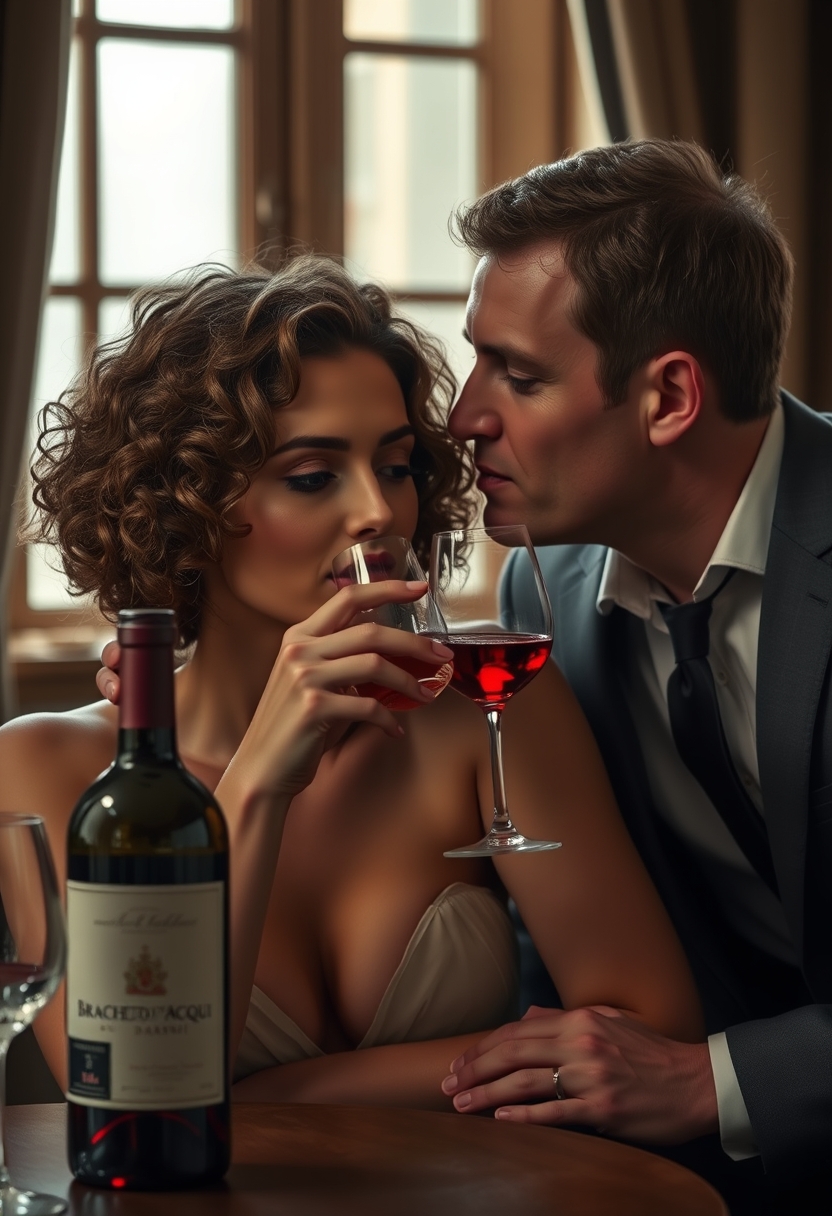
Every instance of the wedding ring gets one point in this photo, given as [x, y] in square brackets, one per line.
[559, 1094]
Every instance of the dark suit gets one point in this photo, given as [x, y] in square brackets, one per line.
[779, 1021]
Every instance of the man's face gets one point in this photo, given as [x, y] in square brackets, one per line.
[548, 452]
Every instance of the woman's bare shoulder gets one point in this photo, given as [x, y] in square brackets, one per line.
[50, 758]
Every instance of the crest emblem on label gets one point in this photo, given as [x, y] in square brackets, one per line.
[145, 976]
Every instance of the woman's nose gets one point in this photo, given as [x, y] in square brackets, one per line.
[370, 512]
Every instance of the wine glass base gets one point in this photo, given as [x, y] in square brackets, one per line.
[495, 844]
[26, 1203]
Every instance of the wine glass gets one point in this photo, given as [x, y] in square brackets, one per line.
[498, 648]
[32, 962]
[392, 557]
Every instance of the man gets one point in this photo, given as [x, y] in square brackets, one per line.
[628, 314]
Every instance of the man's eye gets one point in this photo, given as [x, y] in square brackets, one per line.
[522, 385]
[396, 472]
[309, 483]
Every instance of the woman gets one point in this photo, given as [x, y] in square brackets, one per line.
[249, 429]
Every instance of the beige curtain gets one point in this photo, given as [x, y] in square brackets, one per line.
[749, 79]
[656, 69]
[34, 58]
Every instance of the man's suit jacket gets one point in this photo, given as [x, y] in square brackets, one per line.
[783, 1062]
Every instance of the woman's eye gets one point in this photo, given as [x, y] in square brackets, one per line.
[309, 483]
[396, 472]
[523, 386]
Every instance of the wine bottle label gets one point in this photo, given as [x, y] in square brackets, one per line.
[145, 991]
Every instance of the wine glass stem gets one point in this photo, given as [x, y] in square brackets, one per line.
[5, 1181]
[502, 822]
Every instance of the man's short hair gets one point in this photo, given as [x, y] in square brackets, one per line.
[667, 253]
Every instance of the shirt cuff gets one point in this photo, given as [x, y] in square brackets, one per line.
[735, 1131]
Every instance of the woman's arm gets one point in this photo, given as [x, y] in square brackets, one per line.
[399, 1074]
[304, 710]
[590, 906]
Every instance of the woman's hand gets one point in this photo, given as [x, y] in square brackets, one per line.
[310, 700]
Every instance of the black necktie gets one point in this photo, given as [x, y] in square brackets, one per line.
[699, 734]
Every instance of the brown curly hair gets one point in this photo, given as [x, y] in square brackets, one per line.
[139, 462]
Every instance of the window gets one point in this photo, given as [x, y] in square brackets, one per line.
[216, 129]
[150, 182]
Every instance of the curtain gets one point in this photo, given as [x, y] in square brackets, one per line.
[750, 80]
[34, 62]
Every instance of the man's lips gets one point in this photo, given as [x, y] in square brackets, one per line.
[490, 479]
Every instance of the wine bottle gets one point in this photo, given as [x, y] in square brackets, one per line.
[147, 922]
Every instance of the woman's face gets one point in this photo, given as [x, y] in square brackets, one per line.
[339, 473]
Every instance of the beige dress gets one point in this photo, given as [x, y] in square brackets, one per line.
[459, 974]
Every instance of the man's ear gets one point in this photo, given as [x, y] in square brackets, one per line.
[673, 392]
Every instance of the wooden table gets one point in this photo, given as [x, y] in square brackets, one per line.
[311, 1160]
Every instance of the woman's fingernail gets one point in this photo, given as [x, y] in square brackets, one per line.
[502, 1113]
[450, 1085]
[456, 1064]
[415, 584]
[109, 690]
[441, 650]
[427, 694]
[461, 1101]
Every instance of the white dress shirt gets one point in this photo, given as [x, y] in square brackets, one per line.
[748, 904]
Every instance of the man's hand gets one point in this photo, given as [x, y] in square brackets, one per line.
[617, 1076]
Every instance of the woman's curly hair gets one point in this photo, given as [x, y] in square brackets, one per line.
[139, 462]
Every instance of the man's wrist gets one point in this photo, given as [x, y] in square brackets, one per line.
[700, 1091]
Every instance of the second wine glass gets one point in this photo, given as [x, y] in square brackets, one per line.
[498, 647]
[32, 962]
[393, 557]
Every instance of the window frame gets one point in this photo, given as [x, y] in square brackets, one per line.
[259, 149]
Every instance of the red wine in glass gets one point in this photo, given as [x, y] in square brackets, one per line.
[499, 642]
[489, 669]
[428, 675]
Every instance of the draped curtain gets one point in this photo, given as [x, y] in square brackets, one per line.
[34, 61]
[749, 79]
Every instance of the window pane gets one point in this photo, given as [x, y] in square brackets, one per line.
[167, 164]
[187, 14]
[58, 361]
[66, 263]
[445, 321]
[445, 22]
[410, 158]
[113, 318]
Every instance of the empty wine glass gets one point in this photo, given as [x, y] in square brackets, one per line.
[392, 557]
[32, 962]
[498, 647]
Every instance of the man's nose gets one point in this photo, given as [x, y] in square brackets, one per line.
[471, 417]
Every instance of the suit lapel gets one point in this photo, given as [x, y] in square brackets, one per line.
[591, 654]
[794, 646]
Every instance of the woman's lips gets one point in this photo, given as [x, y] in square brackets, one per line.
[379, 566]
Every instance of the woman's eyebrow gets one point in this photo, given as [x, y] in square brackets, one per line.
[335, 444]
[401, 432]
[314, 441]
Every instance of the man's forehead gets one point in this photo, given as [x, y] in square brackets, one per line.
[529, 284]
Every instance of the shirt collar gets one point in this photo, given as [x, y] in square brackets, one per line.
[743, 544]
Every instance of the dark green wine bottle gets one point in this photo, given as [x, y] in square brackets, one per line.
[147, 972]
